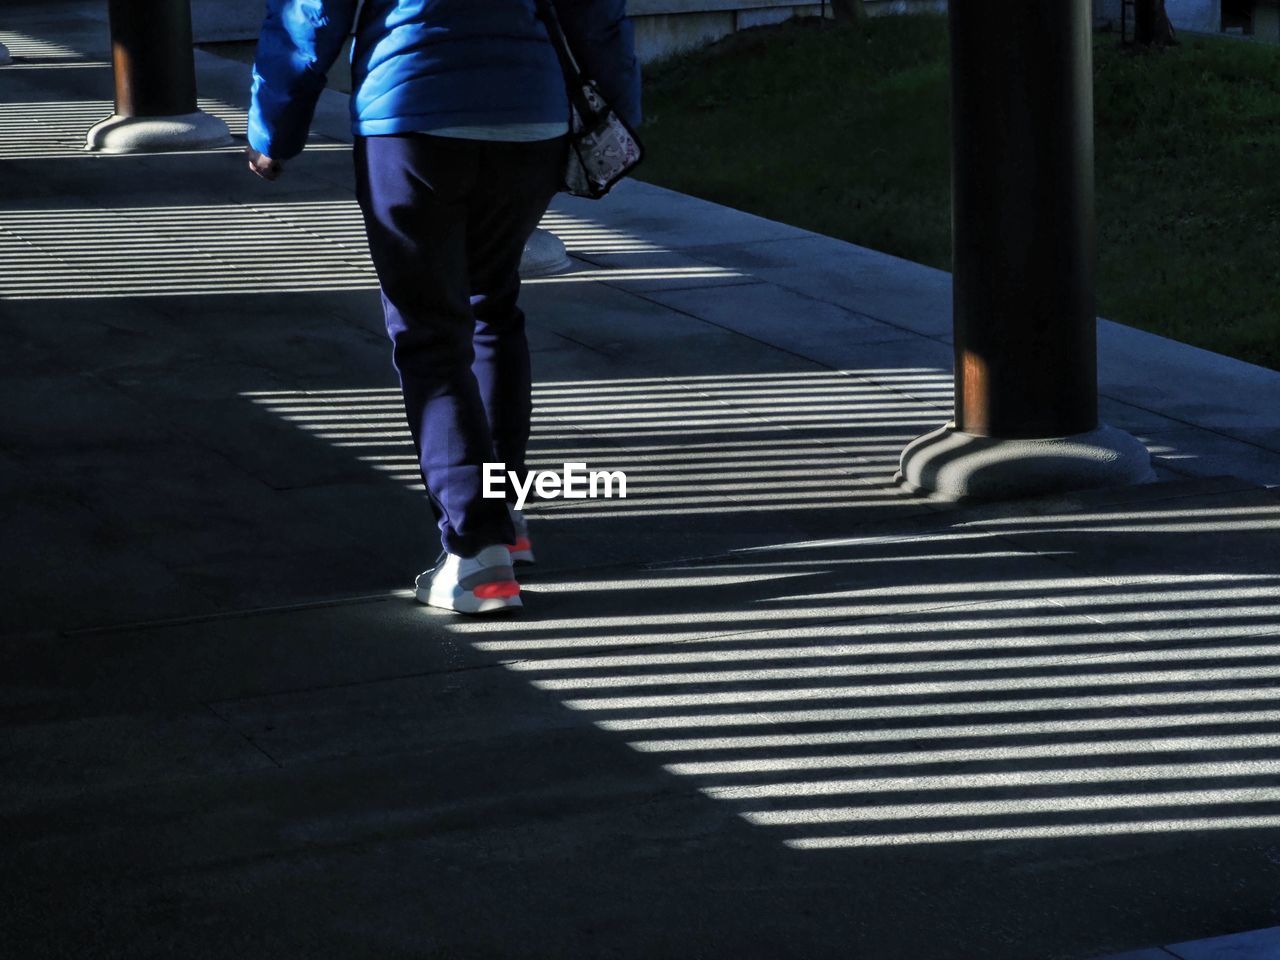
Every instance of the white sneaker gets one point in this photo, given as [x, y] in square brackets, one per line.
[484, 583]
[522, 550]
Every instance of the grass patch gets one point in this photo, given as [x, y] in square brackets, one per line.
[844, 131]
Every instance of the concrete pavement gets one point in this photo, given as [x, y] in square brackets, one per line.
[765, 706]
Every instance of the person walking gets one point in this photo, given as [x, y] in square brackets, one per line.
[460, 114]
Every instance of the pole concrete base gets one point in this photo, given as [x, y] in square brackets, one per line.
[187, 131]
[956, 465]
[544, 255]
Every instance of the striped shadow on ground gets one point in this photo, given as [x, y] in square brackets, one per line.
[300, 246]
[697, 446]
[932, 708]
[953, 686]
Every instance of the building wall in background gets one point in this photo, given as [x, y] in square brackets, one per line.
[662, 27]
[1205, 15]
[669, 26]
[1266, 22]
[1257, 18]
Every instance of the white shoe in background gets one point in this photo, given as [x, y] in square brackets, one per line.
[522, 550]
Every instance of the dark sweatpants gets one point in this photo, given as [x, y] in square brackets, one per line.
[447, 221]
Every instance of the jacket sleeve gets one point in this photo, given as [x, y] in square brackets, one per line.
[299, 41]
[603, 42]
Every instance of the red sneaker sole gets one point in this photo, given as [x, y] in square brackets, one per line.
[496, 590]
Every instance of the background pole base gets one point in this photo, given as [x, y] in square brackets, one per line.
[544, 255]
[961, 466]
[187, 131]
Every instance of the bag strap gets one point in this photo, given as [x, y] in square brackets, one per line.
[574, 80]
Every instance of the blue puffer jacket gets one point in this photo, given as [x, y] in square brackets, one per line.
[427, 64]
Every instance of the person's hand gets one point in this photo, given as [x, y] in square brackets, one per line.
[263, 165]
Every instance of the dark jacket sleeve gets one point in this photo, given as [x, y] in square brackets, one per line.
[601, 38]
[300, 39]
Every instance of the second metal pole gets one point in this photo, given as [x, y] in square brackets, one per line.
[151, 52]
[155, 83]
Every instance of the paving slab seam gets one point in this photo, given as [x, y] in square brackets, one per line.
[1164, 463]
[240, 733]
[977, 511]
[568, 339]
[1188, 423]
[182, 432]
[748, 280]
[361, 258]
[311, 847]
[248, 612]
[356, 684]
[677, 288]
[691, 249]
[889, 387]
[756, 281]
[815, 623]
[29, 636]
[764, 417]
[319, 604]
[1110, 580]
[505, 663]
[806, 294]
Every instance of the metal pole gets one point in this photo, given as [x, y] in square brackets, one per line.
[1026, 418]
[151, 51]
[1025, 248]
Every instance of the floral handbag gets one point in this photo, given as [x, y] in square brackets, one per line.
[602, 147]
